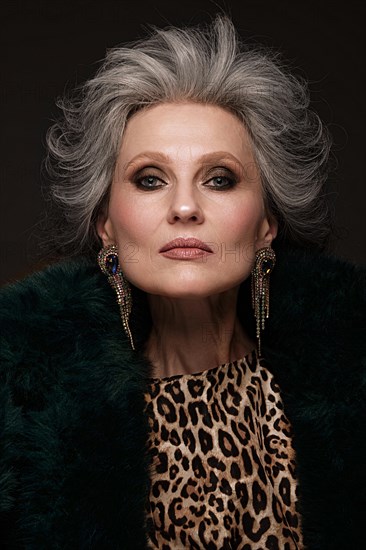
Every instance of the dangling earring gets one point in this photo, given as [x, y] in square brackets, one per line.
[109, 264]
[264, 263]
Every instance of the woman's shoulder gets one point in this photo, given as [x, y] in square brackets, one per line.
[53, 323]
[59, 291]
[317, 290]
[39, 305]
[50, 289]
[62, 318]
[316, 349]
[310, 269]
[66, 379]
[316, 334]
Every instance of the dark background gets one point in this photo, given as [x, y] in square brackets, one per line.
[48, 48]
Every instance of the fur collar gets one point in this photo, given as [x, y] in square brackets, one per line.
[73, 469]
[316, 348]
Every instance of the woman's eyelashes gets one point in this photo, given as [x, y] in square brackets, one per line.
[148, 179]
[221, 182]
[217, 180]
[149, 183]
[220, 178]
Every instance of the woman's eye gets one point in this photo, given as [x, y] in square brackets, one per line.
[221, 182]
[149, 182]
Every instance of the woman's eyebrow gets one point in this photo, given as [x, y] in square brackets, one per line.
[217, 156]
[148, 155]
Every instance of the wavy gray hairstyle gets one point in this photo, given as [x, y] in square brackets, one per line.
[202, 64]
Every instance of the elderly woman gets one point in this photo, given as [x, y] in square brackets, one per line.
[169, 410]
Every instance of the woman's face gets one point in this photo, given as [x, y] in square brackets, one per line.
[186, 173]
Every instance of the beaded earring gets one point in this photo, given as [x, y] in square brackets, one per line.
[263, 266]
[109, 264]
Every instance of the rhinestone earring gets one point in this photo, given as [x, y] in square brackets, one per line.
[264, 263]
[109, 264]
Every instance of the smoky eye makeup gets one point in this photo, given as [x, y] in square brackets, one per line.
[220, 178]
[214, 174]
[148, 178]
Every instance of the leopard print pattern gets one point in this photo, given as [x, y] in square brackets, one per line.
[222, 462]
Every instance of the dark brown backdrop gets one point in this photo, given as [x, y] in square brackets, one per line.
[49, 47]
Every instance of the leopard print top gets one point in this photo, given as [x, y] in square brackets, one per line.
[223, 466]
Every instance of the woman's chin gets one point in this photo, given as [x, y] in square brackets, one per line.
[189, 290]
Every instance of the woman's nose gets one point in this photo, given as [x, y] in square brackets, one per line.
[185, 207]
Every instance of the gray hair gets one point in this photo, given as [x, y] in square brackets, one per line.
[202, 64]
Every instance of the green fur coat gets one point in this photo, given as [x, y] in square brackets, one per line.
[73, 471]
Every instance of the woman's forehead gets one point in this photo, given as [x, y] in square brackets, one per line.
[184, 131]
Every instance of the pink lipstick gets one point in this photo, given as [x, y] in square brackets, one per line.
[185, 249]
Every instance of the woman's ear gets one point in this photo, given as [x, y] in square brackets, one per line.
[267, 232]
[105, 229]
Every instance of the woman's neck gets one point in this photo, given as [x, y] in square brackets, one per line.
[191, 335]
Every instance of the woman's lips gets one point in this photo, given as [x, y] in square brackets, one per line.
[185, 249]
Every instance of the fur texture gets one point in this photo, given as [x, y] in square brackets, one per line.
[73, 470]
